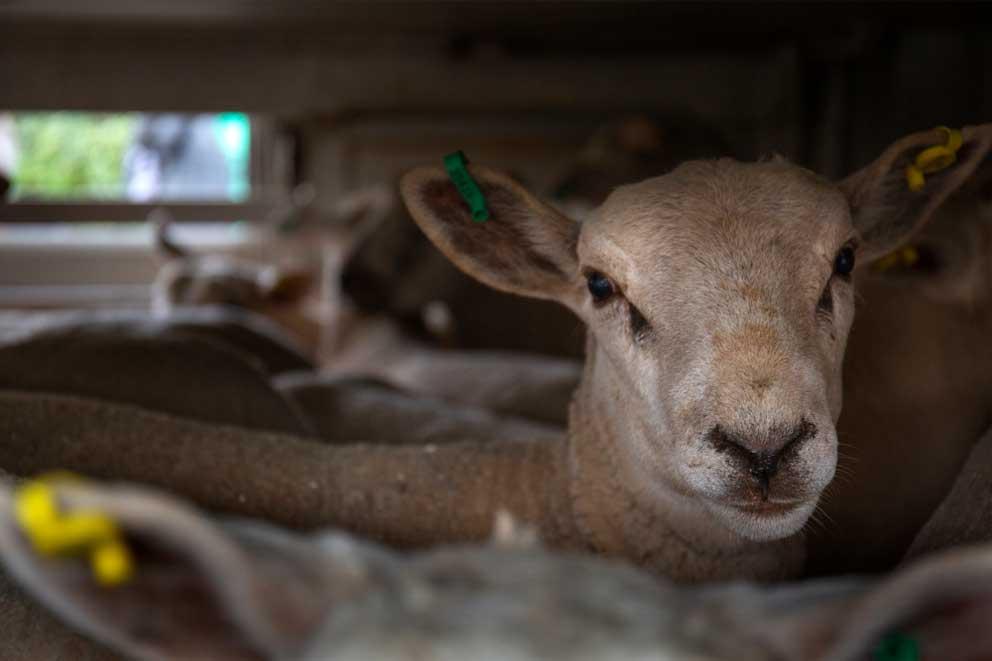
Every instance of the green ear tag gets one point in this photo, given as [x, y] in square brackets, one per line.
[897, 647]
[456, 164]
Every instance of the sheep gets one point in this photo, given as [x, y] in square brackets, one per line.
[250, 334]
[207, 589]
[180, 366]
[169, 368]
[964, 516]
[276, 291]
[293, 292]
[350, 409]
[288, 479]
[707, 374]
[718, 299]
[515, 384]
[890, 406]
[530, 386]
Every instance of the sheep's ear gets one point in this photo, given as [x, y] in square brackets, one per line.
[942, 607]
[886, 212]
[949, 261]
[525, 247]
[197, 592]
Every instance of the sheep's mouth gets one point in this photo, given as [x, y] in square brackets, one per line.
[764, 521]
[769, 507]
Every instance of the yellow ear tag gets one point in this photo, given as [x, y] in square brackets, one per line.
[910, 256]
[53, 533]
[933, 159]
[906, 257]
[883, 264]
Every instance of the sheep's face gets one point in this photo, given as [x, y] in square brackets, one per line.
[718, 299]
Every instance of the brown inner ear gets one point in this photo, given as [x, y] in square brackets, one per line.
[497, 244]
[902, 213]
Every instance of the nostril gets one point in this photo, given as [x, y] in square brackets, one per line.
[802, 432]
[724, 442]
[788, 444]
[763, 469]
[763, 475]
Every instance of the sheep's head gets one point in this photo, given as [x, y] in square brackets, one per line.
[718, 299]
[191, 279]
[223, 280]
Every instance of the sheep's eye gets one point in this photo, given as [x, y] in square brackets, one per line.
[600, 287]
[844, 262]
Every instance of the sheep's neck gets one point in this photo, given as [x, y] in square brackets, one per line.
[616, 514]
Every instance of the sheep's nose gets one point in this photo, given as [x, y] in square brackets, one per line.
[761, 455]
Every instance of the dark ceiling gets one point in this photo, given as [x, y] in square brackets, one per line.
[517, 25]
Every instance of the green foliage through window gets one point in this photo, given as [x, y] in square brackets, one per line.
[65, 154]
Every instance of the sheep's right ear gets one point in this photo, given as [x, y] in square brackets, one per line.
[198, 591]
[525, 247]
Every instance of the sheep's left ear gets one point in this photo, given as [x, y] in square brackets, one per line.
[886, 211]
[198, 590]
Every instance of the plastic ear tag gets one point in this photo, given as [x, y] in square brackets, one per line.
[84, 533]
[933, 159]
[456, 165]
[906, 257]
